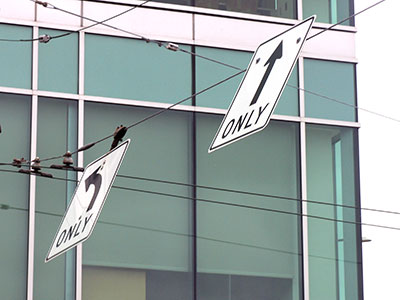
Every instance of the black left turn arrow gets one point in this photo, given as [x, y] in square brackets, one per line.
[95, 179]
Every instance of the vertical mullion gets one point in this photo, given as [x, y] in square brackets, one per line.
[300, 9]
[78, 275]
[70, 256]
[32, 179]
[304, 211]
[194, 194]
[35, 59]
[81, 75]
[303, 178]
[81, 91]
[32, 198]
[358, 216]
[302, 105]
[194, 160]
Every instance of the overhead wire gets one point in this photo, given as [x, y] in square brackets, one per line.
[214, 85]
[7, 207]
[241, 71]
[51, 6]
[186, 235]
[165, 44]
[246, 206]
[212, 201]
[46, 38]
[148, 117]
[344, 20]
[219, 189]
[343, 103]
[175, 104]
[255, 208]
[18, 40]
[234, 191]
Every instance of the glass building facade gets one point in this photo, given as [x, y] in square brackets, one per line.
[272, 216]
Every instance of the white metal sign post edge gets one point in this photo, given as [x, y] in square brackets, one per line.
[262, 85]
[87, 202]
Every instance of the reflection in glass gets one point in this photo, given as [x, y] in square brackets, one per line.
[58, 69]
[329, 11]
[331, 174]
[248, 253]
[16, 57]
[143, 240]
[335, 80]
[57, 133]
[15, 142]
[274, 8]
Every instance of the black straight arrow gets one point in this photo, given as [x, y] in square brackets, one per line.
[271, 61]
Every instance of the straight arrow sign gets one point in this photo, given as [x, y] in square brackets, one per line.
[270, 62]
[262, 85]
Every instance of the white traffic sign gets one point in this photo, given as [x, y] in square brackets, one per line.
[88, 200]
[262, 85]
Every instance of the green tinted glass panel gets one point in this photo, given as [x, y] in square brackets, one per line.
[208, 73]
[144, 224]
[57, 133]
[329, 11]
[58, 62]
[332, 245]
[328, 79]
[288, 103]
[15, 57]
[14, 141]
[132, 69]
[104, 283]
[245, 240]
[276, 8]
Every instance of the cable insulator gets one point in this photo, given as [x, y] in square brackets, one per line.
[67, 163]
[18, 162]
[172, 47]
[68, 159]
[36, 165]
[45, 38]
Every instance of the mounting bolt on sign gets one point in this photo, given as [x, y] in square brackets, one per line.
[262, 85]
[88, 200]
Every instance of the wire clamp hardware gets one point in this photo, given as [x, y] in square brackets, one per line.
[18, 162]
[43, 3]
[67, 164]
[35, 169]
